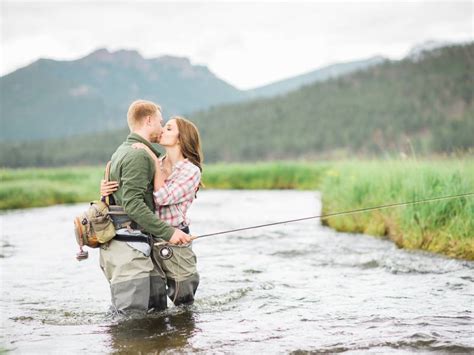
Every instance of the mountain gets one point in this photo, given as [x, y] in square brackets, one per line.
[329, 72]
[421, 107]
[52, 98]
[417, 52]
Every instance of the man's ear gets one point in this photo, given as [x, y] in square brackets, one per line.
[148, 120]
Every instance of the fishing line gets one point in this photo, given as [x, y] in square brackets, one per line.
[336, 214]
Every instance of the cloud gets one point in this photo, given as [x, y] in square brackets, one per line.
[247, 44]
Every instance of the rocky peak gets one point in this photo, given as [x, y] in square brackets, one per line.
[123, 57]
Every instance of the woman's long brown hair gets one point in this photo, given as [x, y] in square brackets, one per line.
[190, 142]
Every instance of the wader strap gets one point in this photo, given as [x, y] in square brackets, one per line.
[132, 238]
[120, 218]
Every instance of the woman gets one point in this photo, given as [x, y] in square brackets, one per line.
[177, 180]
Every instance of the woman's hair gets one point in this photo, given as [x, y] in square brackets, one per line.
[190, 142]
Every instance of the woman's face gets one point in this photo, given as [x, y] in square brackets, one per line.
[169, 137]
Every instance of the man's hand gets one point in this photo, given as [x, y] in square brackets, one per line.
[179, 237]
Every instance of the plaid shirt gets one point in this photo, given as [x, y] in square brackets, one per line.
[173, 199]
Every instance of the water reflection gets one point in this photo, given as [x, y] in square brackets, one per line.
[170, 330]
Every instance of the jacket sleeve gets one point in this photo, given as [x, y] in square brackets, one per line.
[179, 189]
[137, 171]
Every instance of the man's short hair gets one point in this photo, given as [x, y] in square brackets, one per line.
[138, 110]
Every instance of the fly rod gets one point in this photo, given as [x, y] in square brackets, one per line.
[334, 214]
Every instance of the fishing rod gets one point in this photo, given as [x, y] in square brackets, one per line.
[334, 214]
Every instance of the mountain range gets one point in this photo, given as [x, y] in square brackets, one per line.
[421, 105]
[52, 99]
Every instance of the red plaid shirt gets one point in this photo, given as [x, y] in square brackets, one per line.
[173, 199]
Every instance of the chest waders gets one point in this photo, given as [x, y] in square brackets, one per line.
[142, 281]
[179, 266]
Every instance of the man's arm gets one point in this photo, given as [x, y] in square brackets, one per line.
[137, 170]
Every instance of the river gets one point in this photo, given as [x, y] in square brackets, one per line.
[296, 288]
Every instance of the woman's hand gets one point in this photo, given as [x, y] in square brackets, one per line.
[107, 188]
[148, 150]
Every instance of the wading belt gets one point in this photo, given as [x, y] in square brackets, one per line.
[133, 238]
[143, 239]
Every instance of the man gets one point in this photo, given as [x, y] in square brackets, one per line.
[136, 282]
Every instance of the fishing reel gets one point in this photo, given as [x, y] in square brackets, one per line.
[165, 252]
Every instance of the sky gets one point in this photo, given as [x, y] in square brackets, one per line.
[247, 44]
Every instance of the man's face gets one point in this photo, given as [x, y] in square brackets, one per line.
[156, 128]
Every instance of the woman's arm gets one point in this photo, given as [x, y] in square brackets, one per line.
[108, 188]
[180, 188]
[160, 176]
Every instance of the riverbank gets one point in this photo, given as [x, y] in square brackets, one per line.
[445, 227]
[24, 188]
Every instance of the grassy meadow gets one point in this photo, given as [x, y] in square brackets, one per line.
[445, 227]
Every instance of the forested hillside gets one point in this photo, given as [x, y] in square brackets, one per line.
[422, 105]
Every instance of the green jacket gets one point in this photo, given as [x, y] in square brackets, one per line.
[134, 169]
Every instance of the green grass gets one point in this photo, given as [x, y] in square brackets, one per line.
[277, 175]
[22, 188]
[445, 227]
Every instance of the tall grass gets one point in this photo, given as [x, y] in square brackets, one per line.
[22, 188]
[277, 175]
[445, 226]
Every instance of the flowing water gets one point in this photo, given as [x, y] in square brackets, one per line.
[294, 288]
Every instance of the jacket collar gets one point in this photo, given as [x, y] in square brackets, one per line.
[136, 138]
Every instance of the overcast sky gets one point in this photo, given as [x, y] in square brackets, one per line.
[247, 44]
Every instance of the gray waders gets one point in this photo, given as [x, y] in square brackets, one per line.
[136, 282]
[140, 283]
[179, 267]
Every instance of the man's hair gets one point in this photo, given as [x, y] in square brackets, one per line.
[138, 110]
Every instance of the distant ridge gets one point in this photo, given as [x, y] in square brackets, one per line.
[329, 72]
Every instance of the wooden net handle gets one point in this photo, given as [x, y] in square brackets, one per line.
[107, 179]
